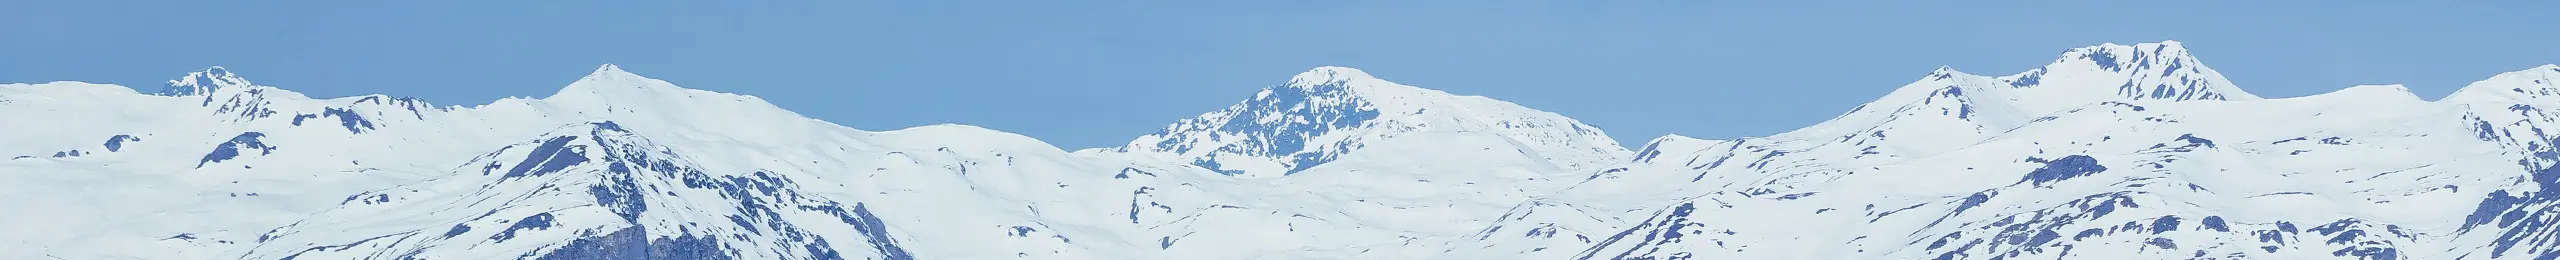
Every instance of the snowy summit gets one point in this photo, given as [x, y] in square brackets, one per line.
[1329, 112]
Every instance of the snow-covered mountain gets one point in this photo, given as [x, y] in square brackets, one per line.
[1324, 114]
[2064, 161]
[2112, 151]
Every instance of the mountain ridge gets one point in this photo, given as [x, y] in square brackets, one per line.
[1952, 166]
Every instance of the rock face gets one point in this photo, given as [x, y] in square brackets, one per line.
[2112, 151]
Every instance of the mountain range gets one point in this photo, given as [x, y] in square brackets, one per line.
[2109, 152]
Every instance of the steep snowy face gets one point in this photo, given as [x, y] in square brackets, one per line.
[1322, 114]
[2513, 110]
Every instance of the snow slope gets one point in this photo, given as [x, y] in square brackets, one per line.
[2110, 152]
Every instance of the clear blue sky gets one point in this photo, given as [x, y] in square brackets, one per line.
[1091, 75]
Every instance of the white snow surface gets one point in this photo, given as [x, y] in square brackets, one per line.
[2111, 152]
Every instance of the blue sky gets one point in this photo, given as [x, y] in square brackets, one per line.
[1091, 75]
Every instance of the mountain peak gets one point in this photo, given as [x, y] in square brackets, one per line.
[609, 71]
[1948, 102]
[2163, 71]
[607, 68]
[2160, 46]
[611, 80]
[204, 82]
[1943, 72]
[1323, 75]
[2117, 57]
[1330, 86]
[1326, 112]
[639, 102]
